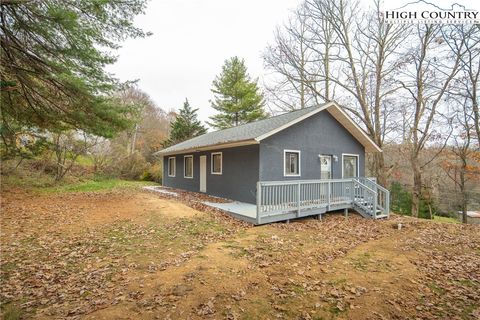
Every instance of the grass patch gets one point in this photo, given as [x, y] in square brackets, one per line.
[298, 289]
[465, 282]
[237, 250]
[44, 183]
[361, 262]
[84, 160]
[445, 219]
[199, 227]
[339, 281]
[11, 312]
[436, 289]
[96, 185]
[27, 181]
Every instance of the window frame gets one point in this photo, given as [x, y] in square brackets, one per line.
[184, 168]
[174, 167]
[358, 164]
[221, 163]
[299, 164]
[331, 165]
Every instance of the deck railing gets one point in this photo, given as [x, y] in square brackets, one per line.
[383, 195]
[297, 196]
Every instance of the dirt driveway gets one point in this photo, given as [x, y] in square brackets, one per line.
[136, 255]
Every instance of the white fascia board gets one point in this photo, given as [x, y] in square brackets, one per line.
[210, 147]
[356, 131]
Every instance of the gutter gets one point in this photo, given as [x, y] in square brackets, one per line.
[223, 145]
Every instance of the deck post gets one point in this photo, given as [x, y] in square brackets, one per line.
[345, 211]
[352, 193]
[298, 198]
[259, 200]
[388, 203]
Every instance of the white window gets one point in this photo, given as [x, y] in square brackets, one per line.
[325, 167]
[188, 166]
[171, 167]
[217, 162]
[349, 165]
[291, 159]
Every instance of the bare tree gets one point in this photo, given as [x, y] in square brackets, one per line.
[354, 52]
[289, 58]
[426, 79]
[464, 41]
[67, 147]
[368, 56]
[461, 164]
[100, 153]
[131, 152]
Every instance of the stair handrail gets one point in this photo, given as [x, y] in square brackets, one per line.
[386, 209]
[373, 212]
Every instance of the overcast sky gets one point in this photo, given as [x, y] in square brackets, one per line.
[192, 38]
[190, 41]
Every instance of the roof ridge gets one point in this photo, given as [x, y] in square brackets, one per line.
[247, 131]
[275, 116]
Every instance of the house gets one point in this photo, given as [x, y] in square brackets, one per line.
[315, 145]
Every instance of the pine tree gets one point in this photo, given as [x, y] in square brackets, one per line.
[238, 99]
[53, 58]
[185, 126]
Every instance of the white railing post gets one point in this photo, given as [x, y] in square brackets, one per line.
[298, 198]
[387, 201]
[352, 191]
[259, 201]
[328, 194]
[275, 198]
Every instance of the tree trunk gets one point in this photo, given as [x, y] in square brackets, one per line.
[462, 190]
[379, 168]
[417, 186]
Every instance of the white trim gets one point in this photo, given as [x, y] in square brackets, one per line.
[210, 147]
[336, 111]
[299, 163]
[184, 157]
[174, 166]
[221, 162]
[332, 107]
[358, 162]
[202, 178]
[291, 123]
[369, 144]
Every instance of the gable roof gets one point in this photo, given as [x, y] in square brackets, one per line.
[254, 132]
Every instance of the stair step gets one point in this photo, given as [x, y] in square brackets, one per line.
[381, 216]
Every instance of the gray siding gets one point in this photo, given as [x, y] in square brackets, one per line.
[319, 134]
[240, 173]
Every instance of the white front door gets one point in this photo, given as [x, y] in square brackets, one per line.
[325, 167]
[203, 173]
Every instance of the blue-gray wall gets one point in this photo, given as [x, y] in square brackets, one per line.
[244, 166]
[237, 181]
[319, 134]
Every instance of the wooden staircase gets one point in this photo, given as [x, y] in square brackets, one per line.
[370, 200]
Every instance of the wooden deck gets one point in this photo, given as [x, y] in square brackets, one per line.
[286, 200]
[248, 212]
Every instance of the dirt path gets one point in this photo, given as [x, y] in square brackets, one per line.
[136, 255]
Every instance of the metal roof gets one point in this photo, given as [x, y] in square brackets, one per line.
[254, 132]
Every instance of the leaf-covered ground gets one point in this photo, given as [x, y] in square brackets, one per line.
[131, 254]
